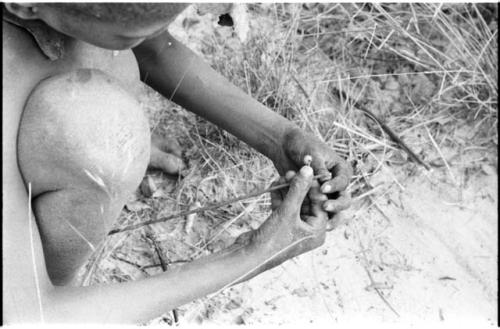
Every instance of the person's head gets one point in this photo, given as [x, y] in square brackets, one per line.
[107, 25]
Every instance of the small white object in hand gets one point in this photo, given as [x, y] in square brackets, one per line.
[308, 160]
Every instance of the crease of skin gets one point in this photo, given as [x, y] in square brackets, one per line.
[35, 270]
[80, 234]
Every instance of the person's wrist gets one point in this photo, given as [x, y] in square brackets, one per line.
[256, 245]
[281, 156]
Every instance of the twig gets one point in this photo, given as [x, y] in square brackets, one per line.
[126, 261]
[170, 263]
[33, 256]
[377, 289]
[370, 114]
[386, 129]
[372, 282]
[205, 208]
[164, 267]
[442, 156]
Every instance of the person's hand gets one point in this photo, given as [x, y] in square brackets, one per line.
[336, 172]
[166, 155]
[288, 232]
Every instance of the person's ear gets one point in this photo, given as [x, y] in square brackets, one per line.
[23, 10]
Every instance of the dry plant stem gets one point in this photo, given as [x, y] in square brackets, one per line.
[370, 277]
[164, 268]
[35, 270]
[387, 130]
[205, 208]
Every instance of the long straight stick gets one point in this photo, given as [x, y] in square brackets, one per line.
[204, 208]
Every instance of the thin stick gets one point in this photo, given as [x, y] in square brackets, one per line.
[370, 277]
[205, 208]
[370, 114]
[164, 268]
[35, 270]
[442, 156]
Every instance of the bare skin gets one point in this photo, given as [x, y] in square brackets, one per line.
[66, 179]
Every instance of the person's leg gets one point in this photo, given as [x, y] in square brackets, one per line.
[83, 147]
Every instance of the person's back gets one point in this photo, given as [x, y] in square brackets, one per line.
[76, 144]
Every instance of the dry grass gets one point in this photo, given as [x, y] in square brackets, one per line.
[428, 70]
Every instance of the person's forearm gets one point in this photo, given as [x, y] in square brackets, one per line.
[139, 301]
[180, 75]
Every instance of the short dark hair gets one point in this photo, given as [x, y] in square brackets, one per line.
[122, 13]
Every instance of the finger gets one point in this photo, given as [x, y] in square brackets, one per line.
[342, 173]
[336, 221]
[332, 224]
[319, 165]
[315, 194]
[166, 162]
[289, 175]
[298, 189]
[317, 215]
[166, 144]
[318, 218]
[341, 203]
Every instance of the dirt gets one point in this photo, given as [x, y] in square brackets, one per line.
[429, 246]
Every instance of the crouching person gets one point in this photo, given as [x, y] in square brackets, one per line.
[76, 144]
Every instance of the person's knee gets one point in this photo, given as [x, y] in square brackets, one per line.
[79, 127]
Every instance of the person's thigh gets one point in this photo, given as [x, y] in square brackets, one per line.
[83, 148]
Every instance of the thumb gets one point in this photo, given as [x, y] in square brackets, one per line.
[298, 189]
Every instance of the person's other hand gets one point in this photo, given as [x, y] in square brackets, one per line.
[288, 232]
[336, 172]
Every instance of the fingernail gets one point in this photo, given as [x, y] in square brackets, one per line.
[326, 176]
[326, 189]
[329, 207]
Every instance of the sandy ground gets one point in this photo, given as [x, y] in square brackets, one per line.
[431, 254]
